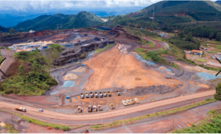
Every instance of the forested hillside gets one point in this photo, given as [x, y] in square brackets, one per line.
[59, 21]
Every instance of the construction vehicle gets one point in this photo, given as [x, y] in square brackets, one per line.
[99, 108]
[132, 101]
[112, 106]
[101, 95]
[167, 77]
[136, 100]
[92, 95]
[89, 108]
[109, 94]
[118, 93]
[94, 109]
[82, 95]
[124, 102]
[79, 109]
[128, 102]
[87, 95]
[96, 95]
[20, 109]
[105, 94]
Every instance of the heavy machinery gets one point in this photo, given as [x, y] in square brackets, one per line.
[96, 95]
[79, 109]
[109, 94]
[124, 102]
[94, 109]
[87, 95]
[82, 95]
[101, 95]
[136, 100]
[99, 108]
[128, 102]
[92, 95]
[112, 106]
[133, 101]
[167, 77]
[89, 108]
[20, 109]
[118, 93]
[105, 94]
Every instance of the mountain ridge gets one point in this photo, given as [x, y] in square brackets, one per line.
[59, 21]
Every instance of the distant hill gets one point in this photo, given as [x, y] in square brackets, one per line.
[59, 21]
[199, 10]
[218, 2]
[3, 29]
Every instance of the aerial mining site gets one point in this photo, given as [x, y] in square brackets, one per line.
[114, 78]
[98, 71]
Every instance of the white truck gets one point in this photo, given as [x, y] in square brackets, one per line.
[20, 109]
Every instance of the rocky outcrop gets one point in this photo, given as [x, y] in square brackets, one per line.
[79, 51]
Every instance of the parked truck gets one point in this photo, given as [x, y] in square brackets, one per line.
[79, 109]
[89, 108]
[109, 94]
[112, 106]
[20, 109]
[99, 108]
[94, 109]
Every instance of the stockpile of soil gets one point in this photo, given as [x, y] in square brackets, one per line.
[80, 70]
[70, 76]
[161, 89]
[162, 68]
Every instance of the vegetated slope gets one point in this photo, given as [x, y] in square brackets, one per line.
[3, 29]
[199, 10]
[28, 75]
[59, 21]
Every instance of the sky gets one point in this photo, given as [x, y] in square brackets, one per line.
[21, 10]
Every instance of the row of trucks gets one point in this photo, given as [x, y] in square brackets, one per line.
[97, 95]
[130, 101]
[91, 108]
[23, 109]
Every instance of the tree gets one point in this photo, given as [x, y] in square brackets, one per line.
[181, 35]
[217, 96]
[12, 31]
[211, 35]
[189, 37]
[218, 36]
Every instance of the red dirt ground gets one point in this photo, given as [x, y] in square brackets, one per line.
[115, 69]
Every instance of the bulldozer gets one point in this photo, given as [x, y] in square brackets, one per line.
[92, 95]
[89, 108]
[109, 94]
[82, 95]
[94, 109]
[87, 95]
[101, 95]
[79, 109]
[99, 108]
[96, 95]
[112, 106]
[105, 94]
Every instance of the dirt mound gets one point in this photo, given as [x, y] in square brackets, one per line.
[162, 68]
[70, 76]
[80, 70]
[115, 69]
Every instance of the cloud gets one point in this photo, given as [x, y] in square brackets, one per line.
[24, 5]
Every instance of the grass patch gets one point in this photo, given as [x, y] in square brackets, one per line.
[103, 49]
[209, 68]
[212, 124]
[10, 129]
[215, 52]
[200, 60]
[214, 42]
[163, 113]
[41, 123]
[216, 46]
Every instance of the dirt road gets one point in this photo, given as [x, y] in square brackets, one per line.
[168, 123]
[103, 115]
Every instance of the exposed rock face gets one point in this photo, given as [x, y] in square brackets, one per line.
[80, 51]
